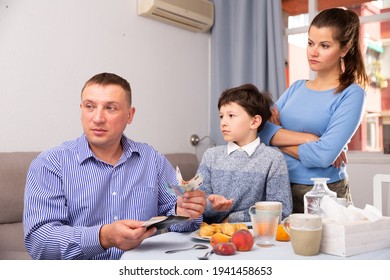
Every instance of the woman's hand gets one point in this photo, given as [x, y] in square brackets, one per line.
[275, 116]
[340, 159]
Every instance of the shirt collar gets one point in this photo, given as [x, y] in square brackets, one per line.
[248, 148]
[85, 151]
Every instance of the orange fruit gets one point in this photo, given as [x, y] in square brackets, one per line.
[218, 238]
[281, 234]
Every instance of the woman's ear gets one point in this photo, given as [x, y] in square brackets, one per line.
[345, 50]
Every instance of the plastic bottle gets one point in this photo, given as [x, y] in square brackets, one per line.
[312, 199]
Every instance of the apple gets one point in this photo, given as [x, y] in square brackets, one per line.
[224, 248]
[243, 240]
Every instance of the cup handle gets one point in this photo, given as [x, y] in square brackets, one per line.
[252, 210]
[286, 225]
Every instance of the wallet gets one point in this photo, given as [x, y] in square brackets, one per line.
[161, 222]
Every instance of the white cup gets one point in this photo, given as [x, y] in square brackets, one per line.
[305, 232]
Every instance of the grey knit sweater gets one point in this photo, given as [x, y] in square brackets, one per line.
[246, 179]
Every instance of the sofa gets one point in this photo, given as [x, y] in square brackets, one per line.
[13, 171]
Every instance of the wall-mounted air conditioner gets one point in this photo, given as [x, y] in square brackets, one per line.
[194, 15]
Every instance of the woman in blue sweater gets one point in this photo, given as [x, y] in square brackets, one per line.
[314, 120]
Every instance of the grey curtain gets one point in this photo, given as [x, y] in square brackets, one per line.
[247, 46]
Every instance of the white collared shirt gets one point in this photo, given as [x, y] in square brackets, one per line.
[248, 148]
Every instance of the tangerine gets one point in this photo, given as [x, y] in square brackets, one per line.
[218, 238]
[281, 234]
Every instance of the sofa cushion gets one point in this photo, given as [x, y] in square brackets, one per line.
[188, 164]
[13, 170]
[13, 234]
[14, 255]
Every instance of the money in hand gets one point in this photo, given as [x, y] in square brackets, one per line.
[184, 186]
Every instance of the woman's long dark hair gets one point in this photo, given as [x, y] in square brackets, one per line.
[346, 30]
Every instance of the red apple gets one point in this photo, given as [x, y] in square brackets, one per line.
[243, 240]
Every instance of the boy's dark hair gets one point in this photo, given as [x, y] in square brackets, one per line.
[251, 99]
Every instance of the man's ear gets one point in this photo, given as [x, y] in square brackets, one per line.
[131, 115]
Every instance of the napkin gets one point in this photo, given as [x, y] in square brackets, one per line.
[339, 213]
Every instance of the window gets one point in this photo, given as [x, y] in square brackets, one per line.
[386, 138]
[373, 134]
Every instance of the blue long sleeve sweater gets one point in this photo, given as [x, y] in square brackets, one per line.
[333, 117]
[246, 179]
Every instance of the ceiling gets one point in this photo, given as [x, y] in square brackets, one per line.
[296, 7]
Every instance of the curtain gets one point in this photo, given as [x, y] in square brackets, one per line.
[247, 46]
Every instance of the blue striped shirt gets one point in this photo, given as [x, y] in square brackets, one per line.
[70, 194]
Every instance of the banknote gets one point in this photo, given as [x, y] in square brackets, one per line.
[189, 185]
[184, 186]
[175, 189]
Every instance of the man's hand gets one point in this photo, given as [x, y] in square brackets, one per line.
[220, 203]
[124, 234]
[191, 204]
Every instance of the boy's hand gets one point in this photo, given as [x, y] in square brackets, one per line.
[220, 203]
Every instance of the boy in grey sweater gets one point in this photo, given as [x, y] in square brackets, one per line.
[237, 175]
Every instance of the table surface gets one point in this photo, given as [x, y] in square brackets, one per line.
[154, 248]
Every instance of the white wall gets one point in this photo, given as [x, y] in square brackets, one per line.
[49, 48]
[361, 170]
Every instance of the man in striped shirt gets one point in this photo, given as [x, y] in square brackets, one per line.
[87, 198]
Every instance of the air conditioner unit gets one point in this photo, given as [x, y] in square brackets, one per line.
[194, 15]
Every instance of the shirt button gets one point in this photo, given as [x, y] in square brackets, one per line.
[113, 193]
[115, 218]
